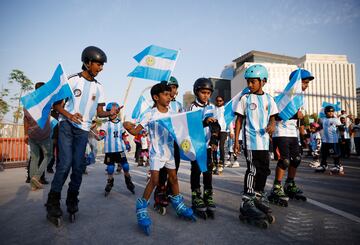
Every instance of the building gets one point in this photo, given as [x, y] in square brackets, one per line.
[358, 101]
[188, 98]
[334, 77]
[221, 87]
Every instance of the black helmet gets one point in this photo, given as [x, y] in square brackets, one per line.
[93, 53]
[328, 109]
[203, 83]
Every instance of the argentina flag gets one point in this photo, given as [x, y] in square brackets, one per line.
[187, 130]
[337, 107]
[39, 102]
[230, 106]
[155, 63]
[291, 99]
[142, 106]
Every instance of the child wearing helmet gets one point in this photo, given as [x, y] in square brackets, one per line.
[330, 141]
[315, 144]
[76, 114]
[114, 149]
[287, 150]
[256, 115]
[204, 206]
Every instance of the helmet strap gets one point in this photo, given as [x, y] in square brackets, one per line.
[88, 71]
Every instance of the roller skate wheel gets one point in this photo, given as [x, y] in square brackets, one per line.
[72, 218]
[162, 211]
[264, 224]
[271, 218]
[57, 221]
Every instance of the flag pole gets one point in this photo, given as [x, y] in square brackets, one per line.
[126, 96]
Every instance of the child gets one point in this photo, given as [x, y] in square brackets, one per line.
[144, 154]
[315, 144]
[161, 154]
[256, 111]
[115, 149]
[330, 142]
[75, 121]
[287, 150]
[230, 143]
[204, 206]
[344, 138]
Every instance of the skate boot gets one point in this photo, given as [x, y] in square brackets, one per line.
[292, 191]
[321, 169]
[54, 212]
[109, 186]
[181, 209]
[278, 196]
[262, 203]
[142, 215]
[161, 200]
[314, 164]
[220, 167]
[129, 184]
[72, 204]
[337, 170]
[209, 202]
[198, 204]
[250, 214]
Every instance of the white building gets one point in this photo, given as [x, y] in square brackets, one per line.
[334, 77]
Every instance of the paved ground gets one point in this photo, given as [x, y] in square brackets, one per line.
[330, 216]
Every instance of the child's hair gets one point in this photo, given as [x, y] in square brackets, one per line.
[38, 85]
[158, 89]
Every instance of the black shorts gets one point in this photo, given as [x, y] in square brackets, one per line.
[286, 148]
[115, 157]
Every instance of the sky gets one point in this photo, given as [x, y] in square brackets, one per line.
[36, 35]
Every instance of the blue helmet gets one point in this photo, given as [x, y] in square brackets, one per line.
[256, 71]
[110, 105]
[305, 74]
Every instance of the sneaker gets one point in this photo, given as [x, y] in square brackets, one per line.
[314, 164]
[321, 169]
[35, 182]
[337, 169]
[235, 164]
[227, 163]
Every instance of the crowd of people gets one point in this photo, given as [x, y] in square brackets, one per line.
[258, 130]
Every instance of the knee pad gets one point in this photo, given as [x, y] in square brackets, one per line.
[110, 169]
[295, 162]
[283, 163]
[125, 166]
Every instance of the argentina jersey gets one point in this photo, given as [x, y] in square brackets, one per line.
[286, 128]
[330, 130]
[257, 110]
[87, 96]
[161, 143]
[113, 139]
[176, 106]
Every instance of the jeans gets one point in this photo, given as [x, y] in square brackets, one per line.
[36, 147]
[72, 145]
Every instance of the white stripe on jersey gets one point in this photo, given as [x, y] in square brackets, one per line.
[87, 96]
[113, 139]
[220, 116]
[257, 110]
[286, 128]
[329, 134]
[176, 106]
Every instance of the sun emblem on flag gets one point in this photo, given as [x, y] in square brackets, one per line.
[185, 145]
[150, 61]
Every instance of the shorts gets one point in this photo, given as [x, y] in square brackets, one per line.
[157, 164]
[286, 148]
[115, 157]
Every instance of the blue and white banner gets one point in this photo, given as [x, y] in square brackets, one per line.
[142, 106]
[291, 99]
[337, 107]
[155, 63]
[187, 130]
[39, 102]
[230, 106]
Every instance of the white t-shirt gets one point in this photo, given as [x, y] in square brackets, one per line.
[87, 96]
[286, 128]
[329, 133]
[144, 143]
[113, 138]
[257, 110]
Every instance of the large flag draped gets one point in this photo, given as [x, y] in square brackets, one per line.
[187, 130]
[291, 99]
[142, 106]
[337, 107]
[230, 106]
[39, 102]
[155, 63]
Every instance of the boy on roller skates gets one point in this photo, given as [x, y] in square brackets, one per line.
[75, 121]
[162, 191]
[204, 206]
[115, 149]
[256, 115]
[287, 149]
[161, 154]
[315, 144]
[330, 142]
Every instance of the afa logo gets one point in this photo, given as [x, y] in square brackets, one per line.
[77, 92]
[150, 61]
[185, 145]
[252, 106]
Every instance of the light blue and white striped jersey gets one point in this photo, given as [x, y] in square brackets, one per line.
[87, 96]
[286, 128]
[161, 143]
[315, 140]
[219, 114]
[257, 110]
[176, 106]
[113, 138]
[329, 133]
